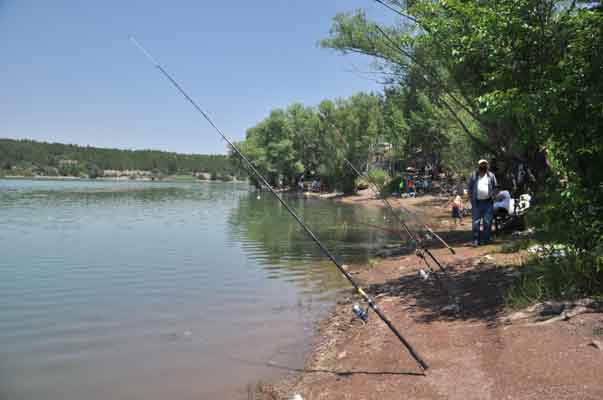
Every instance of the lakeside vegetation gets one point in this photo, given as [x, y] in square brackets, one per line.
[32, 158]
[517, 82]
[385, 132]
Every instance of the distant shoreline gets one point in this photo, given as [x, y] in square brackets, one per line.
[114, 179]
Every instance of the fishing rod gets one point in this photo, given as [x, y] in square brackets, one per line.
[311, 234]
[417, 241]
[386, 229]
[440, 239]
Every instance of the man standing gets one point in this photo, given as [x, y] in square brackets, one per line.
[481, 188]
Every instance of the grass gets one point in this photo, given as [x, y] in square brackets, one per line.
[557, 278]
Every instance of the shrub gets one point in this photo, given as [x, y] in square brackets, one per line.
[362, 184]
[379, 177]
[574, 275]
[393, 186]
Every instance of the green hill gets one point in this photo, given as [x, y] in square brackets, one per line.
[29, 158]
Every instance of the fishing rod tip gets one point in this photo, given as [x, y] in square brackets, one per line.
[143, 50]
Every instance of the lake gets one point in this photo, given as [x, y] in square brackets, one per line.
[140, 290]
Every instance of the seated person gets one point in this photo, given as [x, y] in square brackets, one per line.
[504, 203]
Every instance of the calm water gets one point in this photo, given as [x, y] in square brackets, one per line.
[132, 290]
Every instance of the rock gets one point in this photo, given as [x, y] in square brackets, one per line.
[575, 311]
[451, 308]
[544, 313]
[297, 396]
[423, 274]
[527, 232]
[597, 344]
[556, 250]
[485, 260]
[551, 309]
[342, 355]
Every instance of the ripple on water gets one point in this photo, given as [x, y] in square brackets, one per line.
[132, 290]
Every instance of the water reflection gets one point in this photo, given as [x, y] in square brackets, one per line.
[100, 278]
[270, 235]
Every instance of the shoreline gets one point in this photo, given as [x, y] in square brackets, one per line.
[107, 179]
[476, 352]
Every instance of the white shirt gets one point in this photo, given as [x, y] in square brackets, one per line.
[504, 200]
[483, 187]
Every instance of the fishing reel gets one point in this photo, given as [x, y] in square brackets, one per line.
[420, 253]
[360, 313]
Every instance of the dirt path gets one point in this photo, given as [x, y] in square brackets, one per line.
[473, 352]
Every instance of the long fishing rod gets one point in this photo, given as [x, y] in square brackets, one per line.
[375, 188]
[311, 234]
[399, 233]
[386, 229]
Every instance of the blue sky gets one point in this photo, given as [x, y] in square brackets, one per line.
[68, 72]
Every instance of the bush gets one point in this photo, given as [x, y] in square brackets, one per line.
[379, 177]
[571, 276]
[393, 186]
[362, 184]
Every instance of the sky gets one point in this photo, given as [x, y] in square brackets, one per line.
[69, 74]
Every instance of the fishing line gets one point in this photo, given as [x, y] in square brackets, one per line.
[311, 234]
[417, 241]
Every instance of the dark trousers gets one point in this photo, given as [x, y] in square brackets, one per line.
[482, 209]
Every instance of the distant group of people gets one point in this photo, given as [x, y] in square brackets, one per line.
[481, 189]
[315, 185]
[409, 185]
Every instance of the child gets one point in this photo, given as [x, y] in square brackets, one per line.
[457, 209]
[410, 184]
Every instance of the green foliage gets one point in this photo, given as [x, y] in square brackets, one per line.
[27, 157]
[393, 186]
[379, 177]
[520, 81]
[362, 183]
[571, 276]
[314, 141]
[513, 246]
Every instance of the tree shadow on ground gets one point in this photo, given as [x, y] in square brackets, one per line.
[479, 291]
